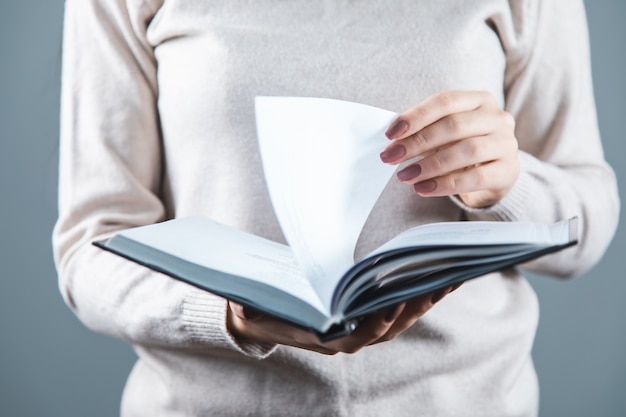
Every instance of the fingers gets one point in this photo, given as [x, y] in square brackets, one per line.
[478, 186]
[371, 329]
[266, 329]
[247, 325]
[250, 325]
[465, 115]
[465, 143]
[436, 108]
[413, 311]
[473, 164]
[440, 133]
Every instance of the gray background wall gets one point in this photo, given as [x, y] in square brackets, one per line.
[50, 365]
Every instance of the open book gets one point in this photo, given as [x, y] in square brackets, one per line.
[314, 281]
[265, 275]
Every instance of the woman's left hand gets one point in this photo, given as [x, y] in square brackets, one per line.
[467, 144]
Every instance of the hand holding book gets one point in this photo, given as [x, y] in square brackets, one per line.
[381, 326]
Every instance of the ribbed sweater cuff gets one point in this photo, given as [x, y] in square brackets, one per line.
[204, 317]
[513, 206]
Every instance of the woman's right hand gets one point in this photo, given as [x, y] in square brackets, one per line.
[249, 325]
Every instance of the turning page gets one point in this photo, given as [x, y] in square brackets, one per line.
[322, 167]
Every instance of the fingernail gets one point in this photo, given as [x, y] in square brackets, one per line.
[425, 186]
[397, 129]
[393, 154]
[409, 172]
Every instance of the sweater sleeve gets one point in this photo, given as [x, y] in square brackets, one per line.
[110, 178]
[548, 90]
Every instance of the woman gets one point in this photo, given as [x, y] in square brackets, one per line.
[158, 122]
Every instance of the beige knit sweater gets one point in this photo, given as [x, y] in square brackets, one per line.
[158, 121]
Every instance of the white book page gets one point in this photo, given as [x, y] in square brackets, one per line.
[480, 233]
[204, 242]
[322, 166]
